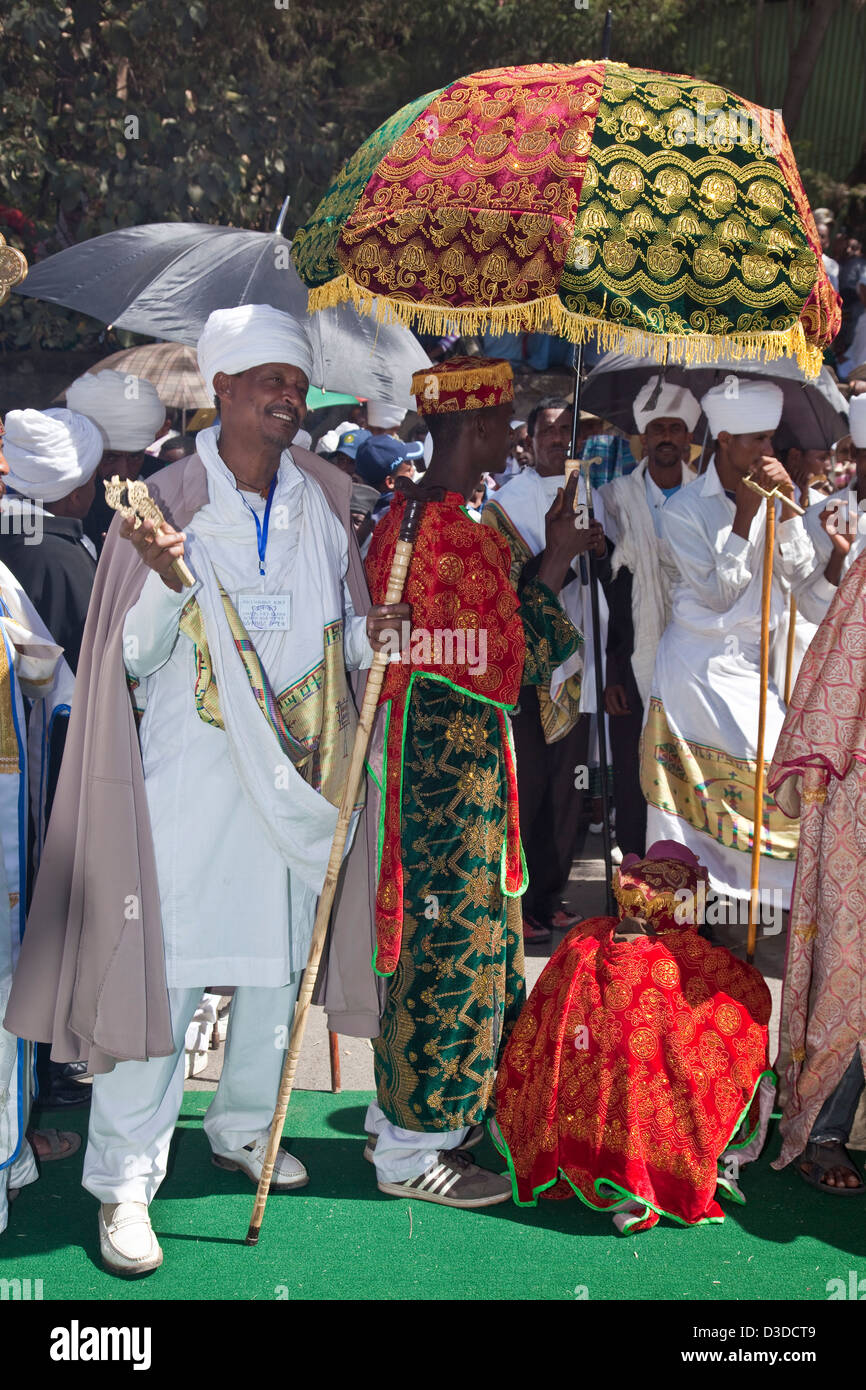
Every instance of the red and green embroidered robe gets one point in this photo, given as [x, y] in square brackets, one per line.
[451, 869]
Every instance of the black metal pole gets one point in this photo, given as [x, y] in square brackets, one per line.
[605, 38]
[577, 363]
[598, 654]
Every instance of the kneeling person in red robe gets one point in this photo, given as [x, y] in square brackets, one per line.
[635, 1065]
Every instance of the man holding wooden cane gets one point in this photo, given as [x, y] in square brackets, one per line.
[701, 727]
[202, 856]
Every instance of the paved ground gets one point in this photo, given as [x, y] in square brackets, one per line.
[585, 895]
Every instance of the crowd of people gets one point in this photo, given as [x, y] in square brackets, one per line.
[175, 753]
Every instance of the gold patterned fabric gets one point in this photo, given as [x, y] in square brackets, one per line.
[692, 218]
[662, 214]
[711, 790]
[313, 719]
[10, 752]
[630, 1071]
[458, 985]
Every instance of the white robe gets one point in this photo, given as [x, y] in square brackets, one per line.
[708, 662]
[812, 597]
[816, 593]
[634, 506]
[232, 911]
[526, 500]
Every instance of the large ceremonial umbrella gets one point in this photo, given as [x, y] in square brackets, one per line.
[164, 278]
[660, 213]
[814, 415]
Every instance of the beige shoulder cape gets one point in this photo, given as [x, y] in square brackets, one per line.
[90, 978]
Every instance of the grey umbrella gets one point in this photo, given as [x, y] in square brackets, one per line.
[814, 416]
[164, 278]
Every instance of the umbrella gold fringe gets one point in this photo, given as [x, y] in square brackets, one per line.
[549, 315]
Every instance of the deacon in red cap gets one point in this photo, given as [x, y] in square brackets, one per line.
[451, 866]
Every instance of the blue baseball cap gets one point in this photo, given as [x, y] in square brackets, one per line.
[380, 454]
[351, 441]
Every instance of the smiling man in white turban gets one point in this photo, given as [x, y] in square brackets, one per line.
[700, 734]
[130, 415]
[245, 740]
[643, 572]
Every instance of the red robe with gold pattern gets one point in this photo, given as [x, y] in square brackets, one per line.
[630, 1070]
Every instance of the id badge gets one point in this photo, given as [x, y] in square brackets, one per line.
[265, 612]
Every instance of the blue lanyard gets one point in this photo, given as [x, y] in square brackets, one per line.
[262, 527]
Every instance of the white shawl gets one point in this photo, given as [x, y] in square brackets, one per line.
[526, 500]
[651, 562]
[299, 822]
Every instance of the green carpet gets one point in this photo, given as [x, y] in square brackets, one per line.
[341, 1238]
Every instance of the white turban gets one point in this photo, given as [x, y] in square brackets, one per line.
[125, 407]
[328, 442]
[233, 340]
[383, 416]
[50, 452]
[857, 421]
[743, 407]
[673, 403]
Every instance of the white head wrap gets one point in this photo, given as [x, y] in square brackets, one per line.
[50, 452]
[233, 340]
[743, 407]
[328, 442]
[857, 421]
[384, 416]
[673, 403]
[125, 407]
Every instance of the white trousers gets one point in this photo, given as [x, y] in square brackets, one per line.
[401, 1154]
[135, 1107]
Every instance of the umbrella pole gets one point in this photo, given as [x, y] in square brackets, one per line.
[789, 653]
[375, 679]
[758, 822]
[592, 579]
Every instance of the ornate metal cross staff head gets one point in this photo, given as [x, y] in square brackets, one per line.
[131, 498]
[774, 492]
[13, 268]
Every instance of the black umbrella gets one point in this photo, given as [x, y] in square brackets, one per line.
[814, 416]
[164, 278]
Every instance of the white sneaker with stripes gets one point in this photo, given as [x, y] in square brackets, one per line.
[453, 1181]
[472, 1140]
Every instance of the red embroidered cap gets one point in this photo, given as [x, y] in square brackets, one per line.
[463, 383]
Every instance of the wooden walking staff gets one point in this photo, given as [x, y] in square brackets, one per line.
[758, 821]
[766, 597]
[396, 581]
